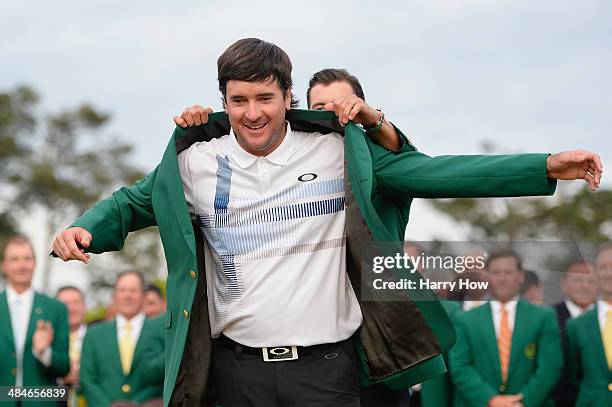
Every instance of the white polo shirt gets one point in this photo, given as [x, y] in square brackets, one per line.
[275, 247]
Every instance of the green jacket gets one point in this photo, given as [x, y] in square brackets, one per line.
[154, 348]
[102, 378]
[399, 343]
[438, 391]
[535, 357]
[588, 366]
[34, 372]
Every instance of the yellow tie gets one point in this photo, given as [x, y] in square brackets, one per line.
[504, 342]
[606, 336]
[73, 352]
[126, 348]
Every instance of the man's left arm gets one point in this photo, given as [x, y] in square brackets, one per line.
[549, 364]
[413, 174]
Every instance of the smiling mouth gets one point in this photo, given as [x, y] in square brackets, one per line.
[255, 127]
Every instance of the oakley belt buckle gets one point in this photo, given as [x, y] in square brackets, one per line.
[280, 353]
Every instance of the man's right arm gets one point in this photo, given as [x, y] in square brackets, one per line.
[105, 226]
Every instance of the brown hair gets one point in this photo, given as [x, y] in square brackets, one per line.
[255, 60]
[134, 272]
[331, 75]
[498, 254]
[16, 240]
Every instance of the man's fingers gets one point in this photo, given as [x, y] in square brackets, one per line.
[61, 248]
[179, 121]
[329, 106]
[84, 238]
[355, 111]
[75, 252]
[593, 185]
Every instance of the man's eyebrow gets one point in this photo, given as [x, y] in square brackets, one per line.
[265, 95]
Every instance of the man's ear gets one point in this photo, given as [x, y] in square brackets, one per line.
[223, 103]
[288, 98]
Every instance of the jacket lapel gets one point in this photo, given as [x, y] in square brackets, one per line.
[596, 341]
[35, 315]
[488, 333]
[139, 350]
[6, 329]
[114, 347]
[521, 327]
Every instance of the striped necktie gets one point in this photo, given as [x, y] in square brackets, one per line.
[504, 342]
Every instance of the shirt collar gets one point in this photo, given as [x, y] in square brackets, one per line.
[137, 320]
[24, 297]
[602, 309]
[574, 309]
[510, 305]
[280, 156]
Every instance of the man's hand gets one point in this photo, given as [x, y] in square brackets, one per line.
[65, 244]
[193, 116]
[577, 164]
[355, 109]
[43, 337]
[508, 400]
[72, 378]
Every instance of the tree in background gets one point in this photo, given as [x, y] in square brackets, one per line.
[572, 214]
[58, 165]
[16, 122]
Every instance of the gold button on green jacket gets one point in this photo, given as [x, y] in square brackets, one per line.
[400, 342]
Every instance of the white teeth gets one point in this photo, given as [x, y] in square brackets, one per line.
[256, 127]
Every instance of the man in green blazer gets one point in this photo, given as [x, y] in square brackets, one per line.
[508, 351]
[112, 362]
[589, 338]
[380, 185]
[33, 327]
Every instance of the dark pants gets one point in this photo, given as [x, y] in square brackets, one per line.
[327, 377]
[379, 395]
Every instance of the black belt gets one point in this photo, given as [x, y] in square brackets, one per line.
[230, 344]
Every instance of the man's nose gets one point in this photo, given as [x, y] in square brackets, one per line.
[253, 112]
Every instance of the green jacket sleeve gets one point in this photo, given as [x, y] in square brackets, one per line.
[60, 361]
[89, 375]
[128, 209]
[414, 174]
[464, 375]
[549, 364]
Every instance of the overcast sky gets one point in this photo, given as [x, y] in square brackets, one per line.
[527, 75]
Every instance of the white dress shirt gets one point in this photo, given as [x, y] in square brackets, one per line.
[574, 309]
[137, 322]
[470, 304]
[496, 311]
[602, 312]
[20, 308]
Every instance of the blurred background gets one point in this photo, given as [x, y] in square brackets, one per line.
[88, 92]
